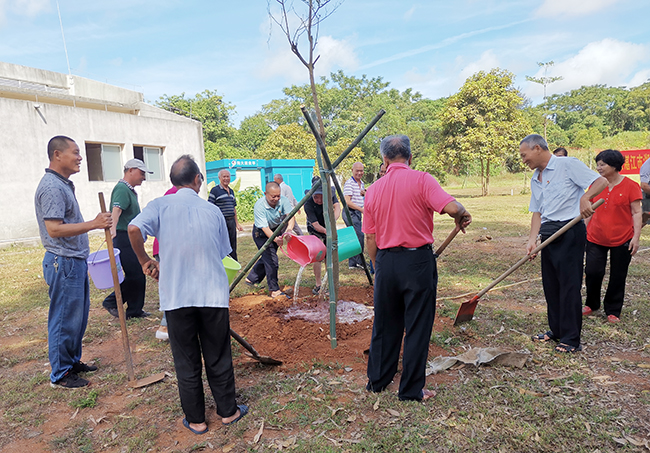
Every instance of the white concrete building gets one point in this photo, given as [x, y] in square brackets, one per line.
[110, 124]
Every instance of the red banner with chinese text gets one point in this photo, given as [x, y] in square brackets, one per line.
[634, 158]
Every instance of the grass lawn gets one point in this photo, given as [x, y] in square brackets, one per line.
[594, 401]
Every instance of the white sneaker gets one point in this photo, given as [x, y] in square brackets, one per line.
[162, 334]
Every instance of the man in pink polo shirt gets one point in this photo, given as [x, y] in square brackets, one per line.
[398, 224]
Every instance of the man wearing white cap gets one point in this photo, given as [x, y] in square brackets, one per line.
[124, 205]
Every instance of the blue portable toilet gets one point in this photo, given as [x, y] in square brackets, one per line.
[296, 173]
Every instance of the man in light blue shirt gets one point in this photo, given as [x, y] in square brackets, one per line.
[557, 197]
[270, 211]
[194, 291]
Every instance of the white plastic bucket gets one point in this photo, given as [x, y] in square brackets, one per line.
[99, 268]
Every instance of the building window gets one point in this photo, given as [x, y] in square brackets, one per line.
[104, 162]
[152, 158]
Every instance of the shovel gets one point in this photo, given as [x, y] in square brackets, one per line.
[444, 245]
[253, 352]
[466, 309]
[120, 310]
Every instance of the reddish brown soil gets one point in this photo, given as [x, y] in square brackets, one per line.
[297, 343]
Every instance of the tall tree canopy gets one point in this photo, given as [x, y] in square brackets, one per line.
[483, 121]
[214, 114]
[347, 105]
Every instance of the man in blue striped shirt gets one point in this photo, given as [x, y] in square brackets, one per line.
[223, 196]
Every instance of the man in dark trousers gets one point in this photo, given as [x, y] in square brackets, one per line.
[124, 205]
[194, 292]
[398, 226]
[270, 211]
[316, 224]
[558, 196]
[223, 196]
[64, 234]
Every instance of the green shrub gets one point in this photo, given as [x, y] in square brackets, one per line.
[246, 201]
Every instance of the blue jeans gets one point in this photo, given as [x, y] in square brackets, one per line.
[69, 306]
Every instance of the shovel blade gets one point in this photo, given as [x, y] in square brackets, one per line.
[466, 311]
[147, 381]
[263, 359]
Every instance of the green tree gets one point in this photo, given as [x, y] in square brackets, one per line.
[483, 122]
[288, 141]
[588, 107]
[214, 114]
[252, 133]
[348, 103]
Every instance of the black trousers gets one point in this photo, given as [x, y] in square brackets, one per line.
[619, 261]
[268, 264]
[405, 305]
[196, 332]
[562, 280]
[133, 286]
[356, 223]
[232, 235]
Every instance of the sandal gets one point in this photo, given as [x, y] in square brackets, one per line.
[567, 348]
[281, 293]
[544, 337]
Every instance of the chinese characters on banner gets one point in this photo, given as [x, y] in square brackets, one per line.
[634, 158]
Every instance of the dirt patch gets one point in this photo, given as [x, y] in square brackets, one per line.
[263, 322]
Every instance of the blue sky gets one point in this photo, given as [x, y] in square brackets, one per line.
[173, 46]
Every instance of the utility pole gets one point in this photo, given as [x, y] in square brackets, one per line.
[545, 81]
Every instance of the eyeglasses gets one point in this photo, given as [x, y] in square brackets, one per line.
[201, 176]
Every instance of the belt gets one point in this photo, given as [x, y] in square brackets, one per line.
[408, 249]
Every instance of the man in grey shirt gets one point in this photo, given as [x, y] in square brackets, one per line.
[64, 235]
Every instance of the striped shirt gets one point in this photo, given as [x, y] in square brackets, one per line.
[352, 189]
[224, 199]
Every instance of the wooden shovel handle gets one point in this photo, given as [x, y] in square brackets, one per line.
[450, 238]
[526, 258]
[118, 296]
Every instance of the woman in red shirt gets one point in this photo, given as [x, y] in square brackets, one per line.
[614, 227]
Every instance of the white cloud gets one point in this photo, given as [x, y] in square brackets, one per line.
[436, 83]
[334, 54]
[22, 7]
[30, 7]
[409, 13]
[609, 62]
[554, 8]
[486, 62]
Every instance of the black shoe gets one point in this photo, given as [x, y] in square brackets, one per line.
[70, 381]
[81, 367]
[113, 311]
[142, 314]
[316, 290]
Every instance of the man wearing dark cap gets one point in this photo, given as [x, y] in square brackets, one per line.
[316, 224]
[124, 203]
[398, 226]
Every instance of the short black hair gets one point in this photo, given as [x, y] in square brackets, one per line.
[60, 142]
[183, 171]
[611, 157]
[395, 146]
[561, 151]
